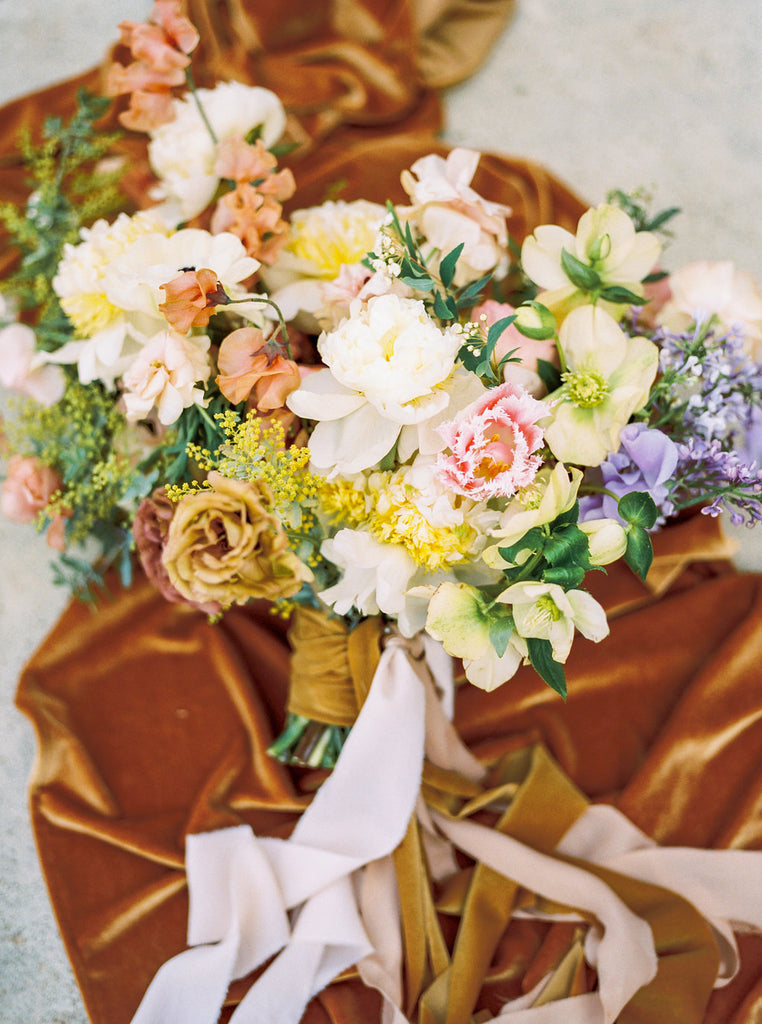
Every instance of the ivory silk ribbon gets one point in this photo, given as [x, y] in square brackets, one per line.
[327, 898]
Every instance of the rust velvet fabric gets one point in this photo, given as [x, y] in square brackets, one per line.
[153, 724]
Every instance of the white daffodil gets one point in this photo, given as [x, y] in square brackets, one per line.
[375, 576]
[606, 241]
[544, 611]
[607, 378]
[552, 493]
[458, 618]
[388, 366]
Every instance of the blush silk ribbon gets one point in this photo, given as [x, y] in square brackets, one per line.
[326, 899]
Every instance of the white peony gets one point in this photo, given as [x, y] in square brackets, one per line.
[375, 575]
[388, 367]
[182, 153]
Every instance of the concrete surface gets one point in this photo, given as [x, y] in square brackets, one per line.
[662, 93]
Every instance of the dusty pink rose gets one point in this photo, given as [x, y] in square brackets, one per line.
[523, 374]
[492, 444]
[150, 528]
[21, 369]
[27, 488]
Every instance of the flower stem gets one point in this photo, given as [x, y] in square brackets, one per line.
[194, 93]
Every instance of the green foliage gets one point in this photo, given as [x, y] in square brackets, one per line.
[639, 512]
[67, 192]
[545, 665]
[557, 552]
[635, 204]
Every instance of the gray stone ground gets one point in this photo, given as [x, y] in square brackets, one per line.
[662, 93]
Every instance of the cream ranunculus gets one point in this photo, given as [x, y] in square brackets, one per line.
[607, 378]
[387, 367]
[606, 242]
[182, 154]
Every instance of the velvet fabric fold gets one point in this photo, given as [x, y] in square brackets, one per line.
[153, 724]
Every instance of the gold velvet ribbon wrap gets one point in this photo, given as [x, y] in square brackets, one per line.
[153, 724]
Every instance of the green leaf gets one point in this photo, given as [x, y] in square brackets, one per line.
[662, 218]
[533, 540]
[579, 273]
[418, 284]
[618, 294]
[472, 292]
[568, 546]
[448, 264]
[441, 309]
[500, 630]
[549, 374]
[658, 275]
[545, 665]
[571, 515]
[570, 577]
[497, 329]
[640, 552]
[638, 508]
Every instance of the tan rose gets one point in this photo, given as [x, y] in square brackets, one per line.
[225, 544]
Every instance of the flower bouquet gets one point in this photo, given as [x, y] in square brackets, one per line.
[417, 439]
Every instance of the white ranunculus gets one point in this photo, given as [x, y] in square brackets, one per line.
[164, 375]
[322, 240]
[182, 154]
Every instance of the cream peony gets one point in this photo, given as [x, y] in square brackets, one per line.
[322, 240]
[164, 375]
[387, 367]
[182, 153]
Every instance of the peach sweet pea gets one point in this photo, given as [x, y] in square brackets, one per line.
[246, 365]
[192, 299]
[524, 373]
[492, 444]
[160, 51]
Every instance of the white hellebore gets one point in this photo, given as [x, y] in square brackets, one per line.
[544, 611]
[607, 378]
[606, 241]
[182, 153]
[458, 618]
[388, 365]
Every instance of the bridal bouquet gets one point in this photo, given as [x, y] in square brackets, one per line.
[368, 410]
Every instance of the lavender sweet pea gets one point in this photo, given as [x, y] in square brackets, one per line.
[646, 460]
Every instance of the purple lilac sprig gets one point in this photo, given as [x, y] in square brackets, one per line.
[708, 472]
[707, 388]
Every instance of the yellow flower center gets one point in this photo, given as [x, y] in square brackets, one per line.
[586, 389]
